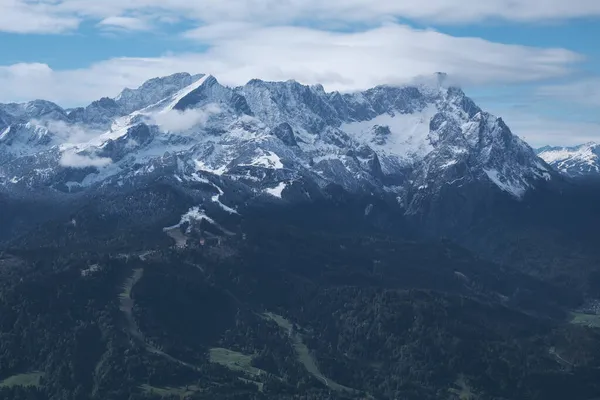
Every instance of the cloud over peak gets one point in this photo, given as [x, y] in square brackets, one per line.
[346, 61]
[75, 160]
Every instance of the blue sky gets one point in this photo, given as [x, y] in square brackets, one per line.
[533, 62]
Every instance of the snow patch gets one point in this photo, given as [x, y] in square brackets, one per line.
[194, 214]
[267, 159]
[409, 133]
[277, 190]
[201, 166]
[449, 164]
[197, 178]
[216, 199]
[512, 188]
[70, 185]
[75, 160]
[184, 92]
[91, 270]
[4, 133]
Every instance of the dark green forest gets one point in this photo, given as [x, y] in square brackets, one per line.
[283, 309]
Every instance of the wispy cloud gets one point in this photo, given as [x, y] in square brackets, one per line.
[18, 16]
[68, 136]
[125, 23]
[390, 54]
[75, 160]
[68, 133]
[55, 16]
[176, 121]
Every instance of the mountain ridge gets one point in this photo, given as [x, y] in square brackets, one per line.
[580, 161]
[386, 138]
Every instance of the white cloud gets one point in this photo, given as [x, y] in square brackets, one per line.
[69, 134]
[390, 54]
[585, 92]
[75, 160]
[18, 16]
[125, 23]
[63, 15]
[180, 121]
[268, 39]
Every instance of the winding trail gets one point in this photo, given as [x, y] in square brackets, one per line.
[304, 356]
[126, 303]
[126, 306]
[558, 357]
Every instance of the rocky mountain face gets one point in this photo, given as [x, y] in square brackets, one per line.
[575, 162]
[269, 136]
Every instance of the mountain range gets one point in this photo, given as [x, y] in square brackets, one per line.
[425, 149]
[403, 140]
[575, 162]
[271, 137]
[186, 239]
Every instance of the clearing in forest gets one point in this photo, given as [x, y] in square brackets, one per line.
[182, 392]
[29, 379]
[237, 362]
[234, 361]
[179, 237]
[463, 391]
[126, 306]
[126, 302]
[590, 320]
[304, 355]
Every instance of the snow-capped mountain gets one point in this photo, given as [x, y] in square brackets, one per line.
[575, 162]
[274, 138]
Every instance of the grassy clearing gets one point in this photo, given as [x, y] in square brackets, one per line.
[234, 361]
[591, 320]
[279, 320]
[179, 237]
[463, 391]
[130, 283]
[126, 302]
[304, 355]
[29, 379]
[183, 392]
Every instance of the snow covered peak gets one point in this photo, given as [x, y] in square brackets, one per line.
[304, 107]
[575, 162]
[36, 109]
[432, 84]
[153, 91]
[24, 139]
[410, 139]
[100, 114]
